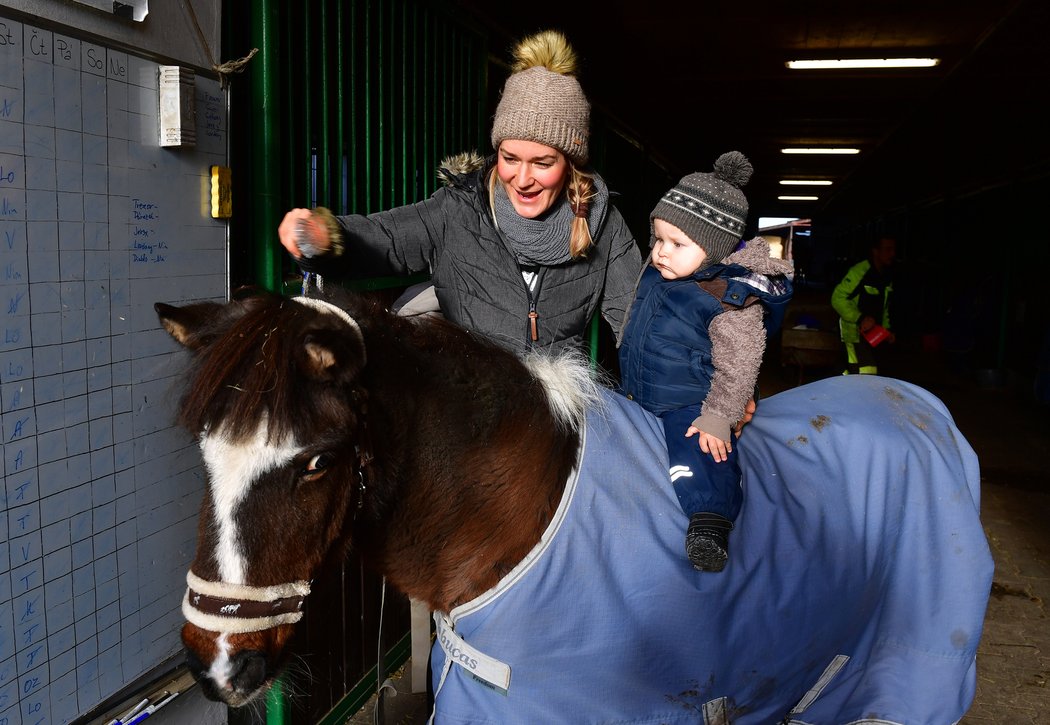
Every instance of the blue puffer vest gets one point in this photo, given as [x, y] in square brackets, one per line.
[665, 353]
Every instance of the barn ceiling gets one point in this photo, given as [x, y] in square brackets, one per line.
[689, 79]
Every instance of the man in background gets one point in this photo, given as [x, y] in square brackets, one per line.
[862, 301]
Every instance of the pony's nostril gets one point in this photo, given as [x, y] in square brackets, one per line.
[247, 671]
[194, 665]
[199, 672]
[209, 690]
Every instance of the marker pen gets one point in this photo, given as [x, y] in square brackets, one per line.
[151, 709]
[124, 718]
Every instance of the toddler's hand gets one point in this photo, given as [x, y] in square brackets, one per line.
[716, 447]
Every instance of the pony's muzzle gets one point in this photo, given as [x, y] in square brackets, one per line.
[246, 676]
[247, 672]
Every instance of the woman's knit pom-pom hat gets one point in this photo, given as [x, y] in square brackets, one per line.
[542, 101]
[710, 208]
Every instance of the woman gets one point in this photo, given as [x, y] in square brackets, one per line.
[524, 246]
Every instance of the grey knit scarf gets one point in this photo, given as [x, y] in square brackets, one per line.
[545, 240]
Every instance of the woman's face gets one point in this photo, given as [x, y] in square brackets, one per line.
[532, 174]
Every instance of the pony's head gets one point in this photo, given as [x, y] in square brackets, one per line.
[276, 405]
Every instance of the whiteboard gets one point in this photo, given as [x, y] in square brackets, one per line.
[100, 495]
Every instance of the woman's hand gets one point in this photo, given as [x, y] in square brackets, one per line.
[749, 413]
[716, 447]
[288, 232]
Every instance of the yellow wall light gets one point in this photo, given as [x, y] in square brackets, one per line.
[221, 192]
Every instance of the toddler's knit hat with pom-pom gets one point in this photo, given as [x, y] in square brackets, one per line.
[542, 101]
[710, 208]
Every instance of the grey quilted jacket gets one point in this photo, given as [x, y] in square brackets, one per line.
[476, 277]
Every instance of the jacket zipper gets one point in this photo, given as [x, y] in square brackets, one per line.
[533, 334]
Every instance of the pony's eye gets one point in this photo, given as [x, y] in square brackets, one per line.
[317, 465]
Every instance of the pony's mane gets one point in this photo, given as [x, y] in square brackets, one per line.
[249, 371]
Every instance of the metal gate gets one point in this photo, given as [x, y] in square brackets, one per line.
[349, 105]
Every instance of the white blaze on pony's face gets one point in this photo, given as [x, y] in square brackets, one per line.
[221, 669]
[232, 468]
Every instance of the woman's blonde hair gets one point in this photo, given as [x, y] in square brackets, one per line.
[579, 190]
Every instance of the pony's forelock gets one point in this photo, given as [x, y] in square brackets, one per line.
[248, 374]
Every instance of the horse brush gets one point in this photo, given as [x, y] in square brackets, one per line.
[318, 233]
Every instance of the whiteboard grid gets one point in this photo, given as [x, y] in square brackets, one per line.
[100, 496]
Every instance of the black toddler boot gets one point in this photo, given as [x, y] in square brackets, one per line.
[707, 541]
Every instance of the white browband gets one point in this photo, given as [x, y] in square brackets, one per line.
[323, 306]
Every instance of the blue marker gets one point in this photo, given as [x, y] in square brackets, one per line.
[151, 709]
[124, 718]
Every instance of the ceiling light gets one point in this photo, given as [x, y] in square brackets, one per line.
[827, 150]
[798, 198]
[805, 182]
[843, 63]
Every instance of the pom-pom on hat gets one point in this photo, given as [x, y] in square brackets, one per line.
[542, 101]
[710, 208]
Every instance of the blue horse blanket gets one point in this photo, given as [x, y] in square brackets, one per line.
[855, 592]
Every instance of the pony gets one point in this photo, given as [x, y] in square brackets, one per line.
[529, 507]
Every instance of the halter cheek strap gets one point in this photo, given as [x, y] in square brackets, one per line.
[240, 608]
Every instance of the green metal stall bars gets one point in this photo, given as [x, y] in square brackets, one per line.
[349, 105]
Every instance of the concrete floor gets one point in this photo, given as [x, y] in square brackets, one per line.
[1011, 434]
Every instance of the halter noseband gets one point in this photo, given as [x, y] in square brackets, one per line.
[241, 608]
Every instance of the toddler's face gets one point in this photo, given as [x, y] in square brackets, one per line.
[674, 254]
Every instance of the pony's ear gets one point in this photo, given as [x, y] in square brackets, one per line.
[329, 357]
[185, 323]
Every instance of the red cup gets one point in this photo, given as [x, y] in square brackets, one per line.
[876, 334]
